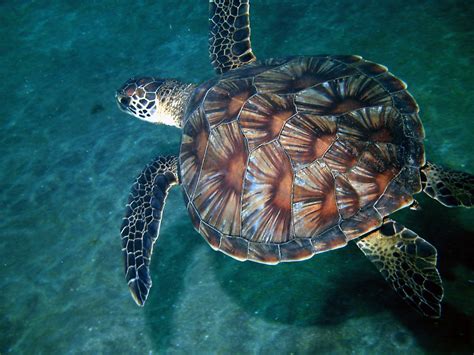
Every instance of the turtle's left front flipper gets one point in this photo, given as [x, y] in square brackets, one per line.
[141, 224]
[451, 188]
[408, 263]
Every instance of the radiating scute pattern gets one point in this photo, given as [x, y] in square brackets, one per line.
[342, 95]
[376, 167]
[347, 198]
[218, 192]
[375, 124]
[312, 153]
[263, 117]
[314, 201]
[224, 101]
[266, 202]
[306, 137]
[193, 148]
[301, 73]
[344, 154]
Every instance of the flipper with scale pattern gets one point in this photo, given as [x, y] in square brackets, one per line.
[449, 187]
[408, 263]
[141, 224]
[229, 35]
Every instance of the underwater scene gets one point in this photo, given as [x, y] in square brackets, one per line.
[68, 157]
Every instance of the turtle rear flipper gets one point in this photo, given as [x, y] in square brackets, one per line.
[449, 187]
[229, 35]
[408, 263]
[141, 224]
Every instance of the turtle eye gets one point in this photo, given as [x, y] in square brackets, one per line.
[124, 100]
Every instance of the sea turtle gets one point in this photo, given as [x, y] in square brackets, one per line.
[282, 159]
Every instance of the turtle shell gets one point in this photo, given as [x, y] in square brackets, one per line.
[287, 158]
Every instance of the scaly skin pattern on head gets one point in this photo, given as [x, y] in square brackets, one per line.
[159, 101]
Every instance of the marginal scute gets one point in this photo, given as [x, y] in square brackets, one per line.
[342, 95]
[263, 117]
[391, 83]
[301, 73]
[193, 148]
[195, 220]
[218, 193]
[236, 247]
[370, 68]
[265, 253]
[307, 137]
[398, 193]
[405, 103]
[333, 238]
[413, 127]
[250, 70]
[314, 201]
[197, 97]
[414, 153]
[266, 202]
[363, 222]
[224, 101]
[296, 250]
[349, 59]
[211, 235]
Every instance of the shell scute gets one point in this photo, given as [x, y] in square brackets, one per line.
[266, 199]
[218, 193]
[283, 159]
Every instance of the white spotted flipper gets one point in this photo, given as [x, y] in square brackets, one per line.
[408, 263]
[141, 224]
[229, 34]
[449, 187]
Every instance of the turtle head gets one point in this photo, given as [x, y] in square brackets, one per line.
[160, 101]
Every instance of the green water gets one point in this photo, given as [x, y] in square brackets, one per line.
[68, 157]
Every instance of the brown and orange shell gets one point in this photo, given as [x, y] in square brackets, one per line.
[284, 159]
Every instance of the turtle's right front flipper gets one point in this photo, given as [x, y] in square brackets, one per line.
[451, 188]
[141, 224]
[229, 35]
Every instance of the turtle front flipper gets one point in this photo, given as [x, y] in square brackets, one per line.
[449, 187]
[141, 224]
[229, 34]
[408, 263]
